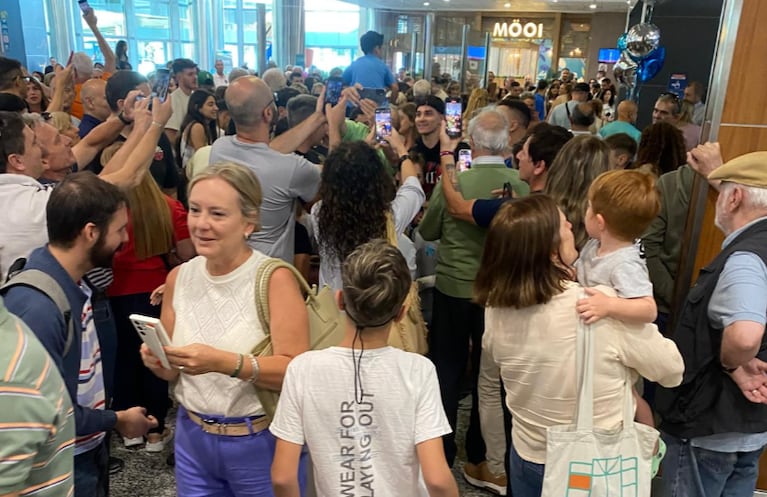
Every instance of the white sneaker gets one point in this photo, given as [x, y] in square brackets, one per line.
[155, 443]
[132, 442]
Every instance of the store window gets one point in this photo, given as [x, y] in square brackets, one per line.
[521, 47]
[574, 45]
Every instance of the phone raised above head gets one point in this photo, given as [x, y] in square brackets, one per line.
[161, 83]
[378, 95]
[333, 90]
[383, 123]
[453, 118]
[84, 6]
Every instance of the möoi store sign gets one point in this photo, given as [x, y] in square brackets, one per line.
[516, 29]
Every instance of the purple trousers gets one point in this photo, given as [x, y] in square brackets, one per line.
[210, 465]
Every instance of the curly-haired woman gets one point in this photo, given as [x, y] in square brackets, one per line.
[357, 197]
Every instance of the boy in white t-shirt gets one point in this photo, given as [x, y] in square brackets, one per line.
[622, 204]
[371, 415]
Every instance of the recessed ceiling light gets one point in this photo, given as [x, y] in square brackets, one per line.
[593, 6]
[507, 5]
[426, 4]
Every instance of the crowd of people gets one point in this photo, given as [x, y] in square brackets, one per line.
[567, 219]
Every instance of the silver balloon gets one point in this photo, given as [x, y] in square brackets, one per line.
[625, 70]
[642, 39]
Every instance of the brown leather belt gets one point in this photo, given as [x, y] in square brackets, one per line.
[230, 429]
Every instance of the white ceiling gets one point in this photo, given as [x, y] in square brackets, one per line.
[568, 6]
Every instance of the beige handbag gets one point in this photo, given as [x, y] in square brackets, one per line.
[410, 333]
[327, 324]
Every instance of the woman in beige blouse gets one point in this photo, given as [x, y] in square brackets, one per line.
[525, 280]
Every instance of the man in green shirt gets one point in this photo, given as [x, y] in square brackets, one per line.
[37, 423]
[457, 321]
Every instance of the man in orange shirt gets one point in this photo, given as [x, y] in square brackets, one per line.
[84, 65]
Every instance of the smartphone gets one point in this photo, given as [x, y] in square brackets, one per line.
[383, 123]
[453, 117]
[161, 83]
[84, 6]
[464, 159]
[333, 90]
[71, 56]
[378, 95]
[508, 191]
[153, 335]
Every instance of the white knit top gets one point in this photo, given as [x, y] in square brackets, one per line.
[219, 311]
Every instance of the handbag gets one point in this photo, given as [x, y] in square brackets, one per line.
[409, 333]
[327, 324]
[583, 460]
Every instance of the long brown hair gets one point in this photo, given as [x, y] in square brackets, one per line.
[149, 212]
[519, 265]
[570, 175]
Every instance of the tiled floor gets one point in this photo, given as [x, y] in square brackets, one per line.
[147, 475]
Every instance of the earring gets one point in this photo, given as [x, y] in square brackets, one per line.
[247, 235]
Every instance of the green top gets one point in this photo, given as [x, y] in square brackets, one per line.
[37, 422]
[359, 132]
[461, 243]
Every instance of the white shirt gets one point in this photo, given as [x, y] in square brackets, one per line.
[220, 80]
[366, 447]
[219, 311]
[23, 225]
[180, 103]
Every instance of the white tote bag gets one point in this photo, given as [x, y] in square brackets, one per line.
[586, 461]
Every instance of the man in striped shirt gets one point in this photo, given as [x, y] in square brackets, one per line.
[37, 423]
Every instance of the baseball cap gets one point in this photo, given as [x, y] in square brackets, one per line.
[434, 102]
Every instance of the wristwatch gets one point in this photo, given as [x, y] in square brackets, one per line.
[121, 117]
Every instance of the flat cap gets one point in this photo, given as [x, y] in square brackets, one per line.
[749, 169]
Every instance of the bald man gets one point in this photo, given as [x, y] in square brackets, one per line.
[627, 116]
[93, 94]
[284, 178]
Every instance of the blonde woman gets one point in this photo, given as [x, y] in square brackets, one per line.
[63, 122]
[577, 164]
[157, 236]
[223, 446]
[478, 99]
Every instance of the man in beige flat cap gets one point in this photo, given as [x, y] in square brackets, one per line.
[715, 422]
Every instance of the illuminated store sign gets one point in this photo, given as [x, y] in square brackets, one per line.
[516, 29]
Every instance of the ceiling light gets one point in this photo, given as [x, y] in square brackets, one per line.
[593, 6]
[507, 5]
[426, 4]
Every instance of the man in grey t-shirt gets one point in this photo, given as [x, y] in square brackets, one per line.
[284, 178]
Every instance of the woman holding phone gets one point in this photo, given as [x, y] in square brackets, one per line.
[223, 446]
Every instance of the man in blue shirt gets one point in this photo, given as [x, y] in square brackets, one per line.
[369, 70]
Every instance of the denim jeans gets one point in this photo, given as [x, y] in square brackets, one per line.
[221, 466]
[92, 471]
[525, 477]
[690, 471]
